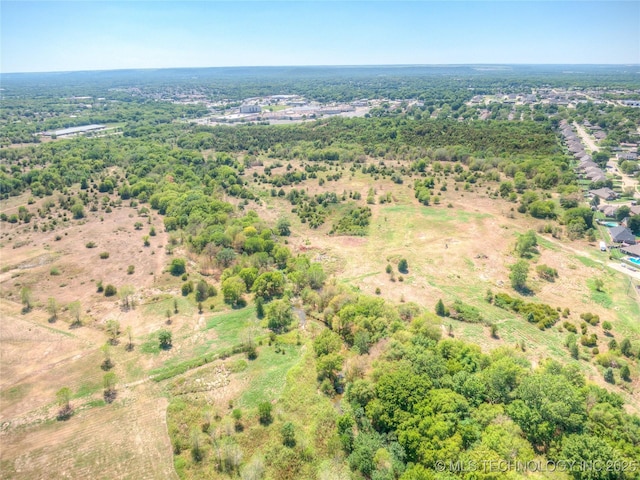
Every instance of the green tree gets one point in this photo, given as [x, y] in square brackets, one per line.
[197, 453]
[519, 274]
[78, 211]
[177, 267]
[63, 397]
[598, 284]
[269, 285]
[622, 212]
[494, 330]
[226, 256]
[107, 363]
[202, 291]
[634, 224]
[260, 307]
[526, 244]
[109, 384]
[75, 309]
[625, 373]
[608, 375]
[110, 290]
[283, 227]
[440, 308]
[545, 406]
[113, 330]
[327, 342]
[129, 332]
[26, 297]
[279, 315]
[625, 347]
[165, 337]
[316, 276]
[52, 309]
[232, 289]
[264, 412]
[288, 433]
[588, 450]
[403, 266]
[126, 295]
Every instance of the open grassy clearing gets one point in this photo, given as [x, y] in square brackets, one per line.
[458, 250]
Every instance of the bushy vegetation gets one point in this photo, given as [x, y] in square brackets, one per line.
[354, 222]
[544, 316]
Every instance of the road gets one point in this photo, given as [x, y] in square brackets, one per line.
[586, 138]
[612, 164]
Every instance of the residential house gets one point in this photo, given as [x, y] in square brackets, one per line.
[627, 156]
[604, 193]
[633, 250]
[609, 210]
[622, 235]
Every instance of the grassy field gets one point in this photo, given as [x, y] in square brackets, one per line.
[456, 250]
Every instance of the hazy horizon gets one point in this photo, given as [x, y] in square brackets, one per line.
[489, 66]
[70, 36]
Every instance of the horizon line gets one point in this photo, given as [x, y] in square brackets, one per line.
[369, 65]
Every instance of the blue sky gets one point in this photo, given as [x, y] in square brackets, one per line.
[98, 35]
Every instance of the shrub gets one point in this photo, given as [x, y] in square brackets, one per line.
[165, 337]
[187, 288]
[547, 273]
[90, 245]
[264, 413]
[110, 290]
[466, 313]
[625, 374]
[131, 269]
[608, 375]
[403, 266]
[494, 330]
[54, 271]
[177, 267]
[104, 255]
[543, 315]
[590, 318]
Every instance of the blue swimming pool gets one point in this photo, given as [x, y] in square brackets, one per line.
[610, 224]
[634, 260]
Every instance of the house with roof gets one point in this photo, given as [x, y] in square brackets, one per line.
[633, 250]
[588, 164]
[622, 235]
[609, 210]
[604, 193]
[627, 156]
[597, 176]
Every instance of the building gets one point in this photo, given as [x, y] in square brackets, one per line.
[250, 109]
[627, 156]
[609, 210]
[633, 250]
[75, 130]
[622, 235]
[604, 193]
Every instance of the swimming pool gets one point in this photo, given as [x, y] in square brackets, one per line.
[610, 224]
[634, 260]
